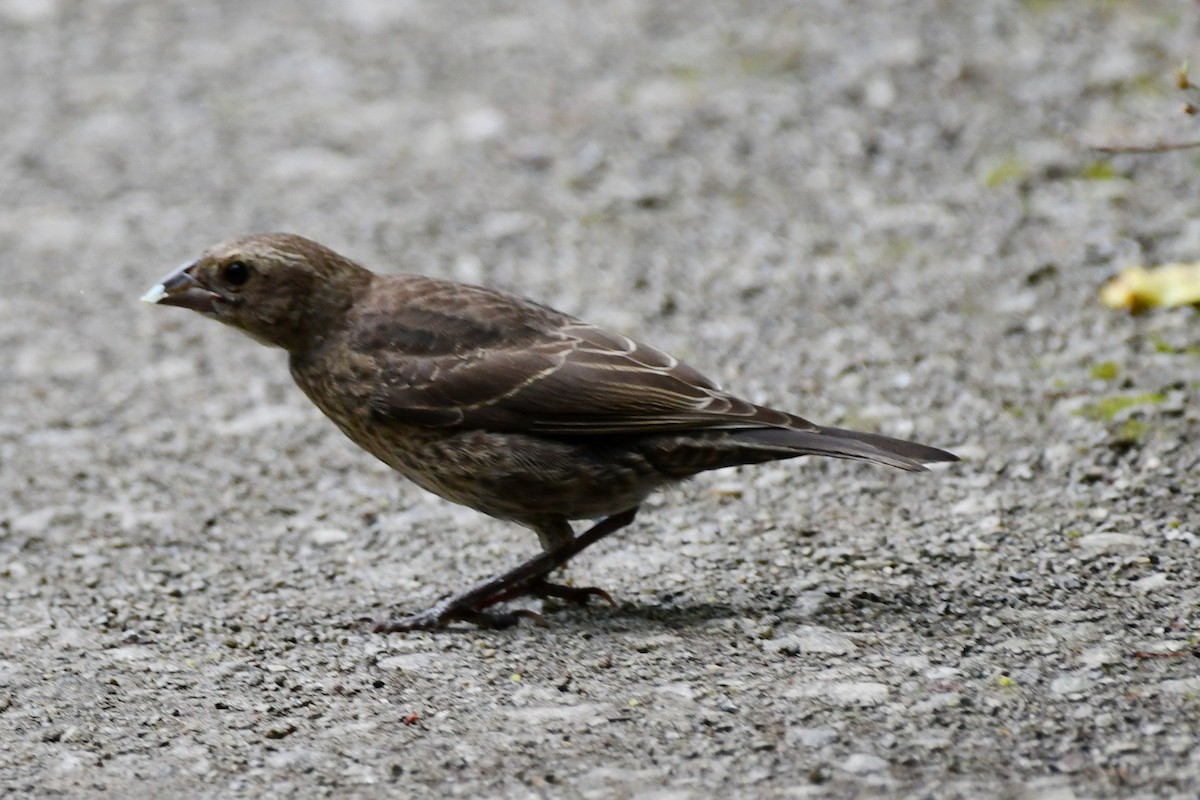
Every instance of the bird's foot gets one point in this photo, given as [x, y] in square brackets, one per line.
[528, 578]
[467, 607]
[580, 595]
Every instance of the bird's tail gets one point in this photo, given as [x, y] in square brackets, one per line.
[683, 455]
[776, 443]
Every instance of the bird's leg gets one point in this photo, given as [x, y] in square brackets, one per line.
[555, 535]
[526, 578]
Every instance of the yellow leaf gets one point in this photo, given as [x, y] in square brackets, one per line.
[1137, 288]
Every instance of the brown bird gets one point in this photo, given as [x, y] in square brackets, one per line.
[497, 402]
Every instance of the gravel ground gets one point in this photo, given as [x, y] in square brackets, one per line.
[879, 214]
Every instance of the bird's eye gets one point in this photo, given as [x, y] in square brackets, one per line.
[236, 273]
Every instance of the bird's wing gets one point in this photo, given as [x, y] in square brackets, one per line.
[577, 380]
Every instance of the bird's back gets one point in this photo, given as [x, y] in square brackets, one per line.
[420, 317]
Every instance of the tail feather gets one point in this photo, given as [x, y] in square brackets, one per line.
[681, 455]
[839, 443]
[922, 453]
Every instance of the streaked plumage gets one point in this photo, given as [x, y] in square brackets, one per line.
[496, 402]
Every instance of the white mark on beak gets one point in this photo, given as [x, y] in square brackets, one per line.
[157, 292]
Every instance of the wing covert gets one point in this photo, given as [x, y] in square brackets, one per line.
[586, 382]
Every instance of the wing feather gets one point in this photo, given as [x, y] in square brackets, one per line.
[586, 381]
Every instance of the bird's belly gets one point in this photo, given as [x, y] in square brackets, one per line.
[515, 476]
[511, 476]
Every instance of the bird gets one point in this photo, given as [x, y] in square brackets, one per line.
[496, 402]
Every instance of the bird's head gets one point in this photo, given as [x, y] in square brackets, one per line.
[281, 289]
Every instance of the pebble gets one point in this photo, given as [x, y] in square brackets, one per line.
[419, 663]
[811, 639]
[1070, 683]
[28, 12]
[1181, 686]
[864, 763]
[323, 537]
[844, 693]
[579, 713]
[811, 738]
[1104, 542]
[1151, 583]
[1099, 656]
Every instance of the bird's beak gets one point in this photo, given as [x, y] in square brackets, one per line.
[181, 289]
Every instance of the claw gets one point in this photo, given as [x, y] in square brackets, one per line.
[573, 594]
